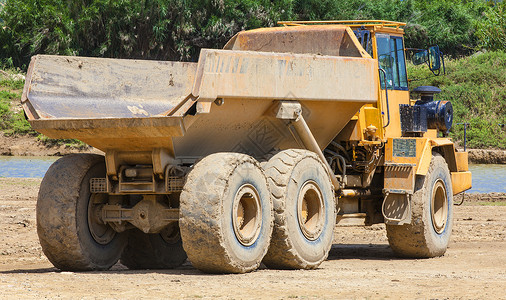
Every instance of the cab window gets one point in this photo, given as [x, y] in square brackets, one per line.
[391, 59]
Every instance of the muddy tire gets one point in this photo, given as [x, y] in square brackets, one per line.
[226, 214]
[154, 251]
[304, 210]
[429, 233]
[70, 237]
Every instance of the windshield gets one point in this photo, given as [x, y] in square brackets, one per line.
[391, 59]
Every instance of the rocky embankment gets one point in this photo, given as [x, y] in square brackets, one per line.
[482, 156]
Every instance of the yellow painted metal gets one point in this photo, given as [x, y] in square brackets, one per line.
[425, 158]
[399, 176]
[265, 75]
[462, 161]
[395, 98]
[438, 142]
[461, 181]
[372, 117]
[69, 87]
[295, 40]
[350, 23]
[446, 147]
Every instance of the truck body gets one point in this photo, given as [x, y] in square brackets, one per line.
[337, 90]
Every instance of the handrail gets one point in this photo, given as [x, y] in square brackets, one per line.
[386, 95]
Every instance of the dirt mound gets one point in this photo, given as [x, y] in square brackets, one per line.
[482, 156]
[485, 197]
[30, 146]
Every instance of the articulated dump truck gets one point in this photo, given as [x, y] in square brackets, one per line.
[251, 155]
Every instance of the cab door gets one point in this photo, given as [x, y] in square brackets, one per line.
[389, 51]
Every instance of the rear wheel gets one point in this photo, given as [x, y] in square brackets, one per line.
[304, 206]
[162, 250]
[429, 233]
[70, 232]
[226, 214]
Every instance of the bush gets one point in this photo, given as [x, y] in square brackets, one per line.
[491, 30]
[12, 122]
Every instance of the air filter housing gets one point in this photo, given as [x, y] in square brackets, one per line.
[426, 113]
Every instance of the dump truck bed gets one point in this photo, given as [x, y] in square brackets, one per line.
[136, 105]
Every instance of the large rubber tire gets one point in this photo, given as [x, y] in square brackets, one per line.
[62, 216]
[212, 234]
[288, 173]
[425, 237]
[153, 251]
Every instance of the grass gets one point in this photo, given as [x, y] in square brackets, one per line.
[476, 86]
[21, 182]
[490, 203]
[12, 118]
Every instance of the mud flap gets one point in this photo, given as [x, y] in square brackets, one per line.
[396, 208]
[398, 189]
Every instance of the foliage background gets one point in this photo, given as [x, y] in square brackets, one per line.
[178, 29]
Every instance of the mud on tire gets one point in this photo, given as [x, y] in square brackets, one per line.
[300, 185]
[63, 222]
[429, 233]
[226, 214]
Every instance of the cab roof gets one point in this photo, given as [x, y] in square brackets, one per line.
[373, 25]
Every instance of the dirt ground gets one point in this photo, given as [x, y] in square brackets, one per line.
[360, 265]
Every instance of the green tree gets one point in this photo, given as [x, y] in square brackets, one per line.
[178, 29]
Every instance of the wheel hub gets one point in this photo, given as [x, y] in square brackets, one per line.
[171, 233]
[310, 210]
[101, 233]
[439, 206]
[247, 215]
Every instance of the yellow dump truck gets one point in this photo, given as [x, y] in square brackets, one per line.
[253, 154]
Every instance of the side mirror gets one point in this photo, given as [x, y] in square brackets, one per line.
[419, 57]
[434, 58]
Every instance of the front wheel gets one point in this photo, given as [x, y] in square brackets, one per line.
[71, 235]
[429, 233]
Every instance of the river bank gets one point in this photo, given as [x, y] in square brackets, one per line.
[26, 145]
[485, 156]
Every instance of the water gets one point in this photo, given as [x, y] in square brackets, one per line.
[25, 166]
[486, 178]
